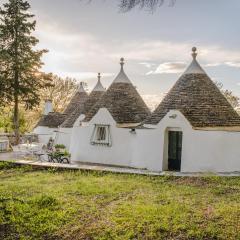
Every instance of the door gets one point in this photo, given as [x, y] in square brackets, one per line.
[174, 150]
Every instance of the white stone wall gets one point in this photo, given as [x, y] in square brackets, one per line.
[63, 136]
[120, 153]
[45, 133]
[202, 151]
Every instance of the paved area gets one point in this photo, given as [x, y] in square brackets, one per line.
[10, 156]
[104, 168]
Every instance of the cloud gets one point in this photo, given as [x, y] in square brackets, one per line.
[233, 64]
[230, 64]
[153, 100]
[80, 54]
[213, 64]
[147, 64]
[169, 67]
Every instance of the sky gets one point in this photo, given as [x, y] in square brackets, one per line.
[84, 39]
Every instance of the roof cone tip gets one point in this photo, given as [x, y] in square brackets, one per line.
[99, 76]
[194, 52]
[194, 67]
[122, 77]
[122, 62]
[81, 88]
[99, 87]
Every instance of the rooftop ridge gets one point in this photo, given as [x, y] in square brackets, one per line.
[122, 76]
[99, 87]
[81, 88]
[194, 67]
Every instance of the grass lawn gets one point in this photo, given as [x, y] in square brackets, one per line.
[53, 204]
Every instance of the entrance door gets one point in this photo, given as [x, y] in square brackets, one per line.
[174, 150]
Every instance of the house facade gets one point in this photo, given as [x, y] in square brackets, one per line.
[194, 129]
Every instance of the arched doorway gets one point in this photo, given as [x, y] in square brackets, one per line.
[173, 149]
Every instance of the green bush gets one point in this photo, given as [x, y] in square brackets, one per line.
[60, 146]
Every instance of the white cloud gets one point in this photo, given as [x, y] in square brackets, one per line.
[153, 100]
[147, 64]
[213, 64]
[169, 67]
[233, 64]
[81, 54]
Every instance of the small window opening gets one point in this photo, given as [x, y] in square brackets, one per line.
[101, 135]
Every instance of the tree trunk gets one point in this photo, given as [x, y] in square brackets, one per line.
[16, 120]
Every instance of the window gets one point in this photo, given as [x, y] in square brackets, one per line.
[101, 135]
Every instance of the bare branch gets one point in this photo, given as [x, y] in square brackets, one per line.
[127, 5]
[151, 5]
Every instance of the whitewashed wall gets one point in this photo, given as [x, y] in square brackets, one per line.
[120, 153]
[63, 136]
[202, 151]
[45, 133]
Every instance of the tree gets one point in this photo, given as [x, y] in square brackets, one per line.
[20, 75]
[127, 5]
[60, 92]
[232, 99]
[6, 120]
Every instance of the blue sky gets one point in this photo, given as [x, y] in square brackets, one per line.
[84, 39]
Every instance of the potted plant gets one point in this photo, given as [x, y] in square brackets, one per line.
[60, 148]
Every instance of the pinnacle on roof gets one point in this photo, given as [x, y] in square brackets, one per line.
[199, 100]
[93, 98]
[122, 77]
[99, 87]
[194, 67]
[122, 100]
[81, 88]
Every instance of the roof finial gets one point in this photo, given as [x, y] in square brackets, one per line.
[194, 53]
[81, 88]
[122, 62]
[99, 77]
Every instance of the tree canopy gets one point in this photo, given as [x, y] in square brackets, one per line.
[20, 62]
[127, 5]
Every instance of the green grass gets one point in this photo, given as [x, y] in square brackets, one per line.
[72, 205]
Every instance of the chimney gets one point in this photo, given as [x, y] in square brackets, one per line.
[48, 107]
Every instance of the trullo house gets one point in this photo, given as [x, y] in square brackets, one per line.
[82, 106]
[194, 129]
[104, 137]
[48, 125]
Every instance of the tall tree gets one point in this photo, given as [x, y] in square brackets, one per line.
[20, 75]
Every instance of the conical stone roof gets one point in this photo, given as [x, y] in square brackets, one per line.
[122, 100]
[51, 120]
[94, 96]
[199, 100]
[77, 100]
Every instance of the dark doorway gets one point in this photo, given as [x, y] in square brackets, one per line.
[174, 150]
